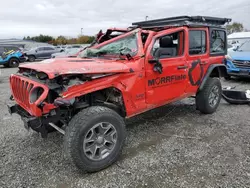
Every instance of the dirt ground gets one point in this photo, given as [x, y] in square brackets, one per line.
[172, 146]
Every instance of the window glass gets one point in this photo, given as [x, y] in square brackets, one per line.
[76, 46]
[171, 45]
[48, 48]
[217, 42]
[40, 49]
[123, 46]
[197, 42]
[245, 47]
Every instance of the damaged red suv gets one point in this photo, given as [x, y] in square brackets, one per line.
[152, 64]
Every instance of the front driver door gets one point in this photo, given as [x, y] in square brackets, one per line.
[172, 82]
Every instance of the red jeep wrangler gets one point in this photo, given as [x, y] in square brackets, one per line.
[87, 98]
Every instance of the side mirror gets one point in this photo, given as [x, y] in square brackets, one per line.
[157, 65]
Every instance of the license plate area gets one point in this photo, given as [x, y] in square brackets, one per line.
[244, 72]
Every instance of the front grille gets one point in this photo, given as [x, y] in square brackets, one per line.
[241, 64]
[21, 90]
[24, 88]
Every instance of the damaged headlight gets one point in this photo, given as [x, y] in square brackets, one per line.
[35, 94]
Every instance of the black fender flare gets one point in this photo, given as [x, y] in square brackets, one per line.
[221, 69]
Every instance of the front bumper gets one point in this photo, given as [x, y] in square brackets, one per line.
[235, 71]
[38, 124]
[238, 72]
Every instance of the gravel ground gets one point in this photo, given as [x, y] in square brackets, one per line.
[172, 146]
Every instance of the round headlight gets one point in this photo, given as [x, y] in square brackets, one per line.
[35, 94]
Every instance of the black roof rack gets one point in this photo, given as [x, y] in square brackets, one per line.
[183, 20]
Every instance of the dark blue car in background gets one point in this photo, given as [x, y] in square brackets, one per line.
[238, 61]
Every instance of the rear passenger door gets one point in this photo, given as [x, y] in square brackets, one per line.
[198, 57]
[40, 53]
[48, 51]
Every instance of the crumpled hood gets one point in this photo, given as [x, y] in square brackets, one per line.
[56, 67]
[243, 56]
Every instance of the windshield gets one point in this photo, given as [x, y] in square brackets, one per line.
[124, 46]
[245, 47]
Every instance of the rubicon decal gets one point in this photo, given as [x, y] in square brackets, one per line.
[166, 80]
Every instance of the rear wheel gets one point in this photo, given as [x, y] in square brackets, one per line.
[94, 138]
[208, 99]
[13, 62]
[31, 58]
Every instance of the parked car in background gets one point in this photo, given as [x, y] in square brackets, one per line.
[67, 53]
[11, 56]
[59, 48]
[41, 53]
[238, 61]
[236, 39]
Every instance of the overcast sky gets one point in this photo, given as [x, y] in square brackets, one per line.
[20, 18]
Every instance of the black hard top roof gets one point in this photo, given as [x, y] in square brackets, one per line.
[192, 21]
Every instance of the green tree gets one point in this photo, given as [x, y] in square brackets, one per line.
[91, 39]
[61, 40]
[234, 27]
[42, 38]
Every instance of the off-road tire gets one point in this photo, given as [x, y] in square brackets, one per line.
[202, 97]
[31, 58]
[13, 62]
[77, 130]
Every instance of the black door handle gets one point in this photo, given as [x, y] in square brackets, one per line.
[182, 67]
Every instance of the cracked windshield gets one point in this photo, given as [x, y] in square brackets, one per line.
[121, 47]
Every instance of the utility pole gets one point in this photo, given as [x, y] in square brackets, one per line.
[146, 18]
[81, 31]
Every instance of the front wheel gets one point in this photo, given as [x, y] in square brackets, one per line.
[94, 138]
[208, 99]
[13, 62]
